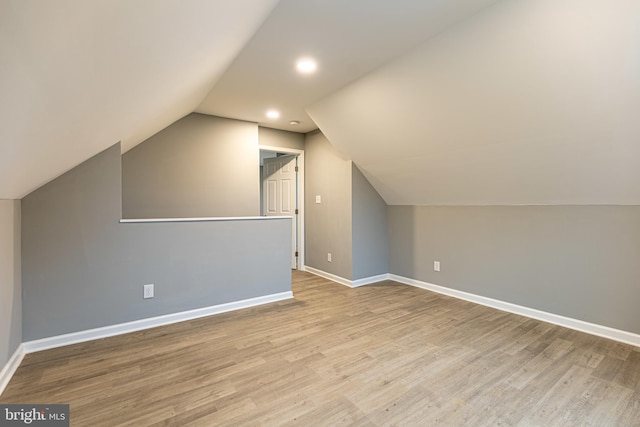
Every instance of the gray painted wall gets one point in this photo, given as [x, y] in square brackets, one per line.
[82, 269]
[575, 261]
[370, 237]
[328, 225]
[280, 138]
[200, 166]
[10, 280]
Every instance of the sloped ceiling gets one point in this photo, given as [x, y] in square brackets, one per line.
[437, 101]
[78, 76]
[348, 39]
[529, 102]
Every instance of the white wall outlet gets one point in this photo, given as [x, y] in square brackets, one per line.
[318, 199]
[329, 257]
[148, 291]
[436, 265]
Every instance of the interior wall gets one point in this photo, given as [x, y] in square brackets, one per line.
[328, 226]
[200, 166]
[576, 261]
[280, 138]
[10, 280]
[369, 227]
[82, 269]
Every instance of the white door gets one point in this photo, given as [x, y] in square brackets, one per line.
[279, 183]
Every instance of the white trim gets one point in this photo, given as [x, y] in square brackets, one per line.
[301, 220]
[277, 149]
[152, 322]
[369, 280]
[204, 219]
[567, 322]
[11, 367]
[346, 282]
[329, 276]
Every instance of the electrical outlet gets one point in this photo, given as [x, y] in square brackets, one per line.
[148, 291]
[329, 257]
[436, 265]
[318, 199]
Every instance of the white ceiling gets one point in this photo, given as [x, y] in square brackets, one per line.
[438, 102]
[530, 102]
[348, 38]
[77, 76]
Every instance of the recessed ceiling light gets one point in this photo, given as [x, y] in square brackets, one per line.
[294, 122]
[306, 65]
[273, 114]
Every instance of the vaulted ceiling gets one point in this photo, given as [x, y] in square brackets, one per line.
[437, 102]
[348, 38]
[78, 76]
[529, 102]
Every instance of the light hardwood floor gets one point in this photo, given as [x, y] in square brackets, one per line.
[384, 354]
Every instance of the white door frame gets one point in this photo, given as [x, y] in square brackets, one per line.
[300, 195]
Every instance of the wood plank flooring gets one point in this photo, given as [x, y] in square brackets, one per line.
[381, 355]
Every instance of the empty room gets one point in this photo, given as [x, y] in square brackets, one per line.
[320, 212]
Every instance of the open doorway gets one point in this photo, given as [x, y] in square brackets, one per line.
[282, 192]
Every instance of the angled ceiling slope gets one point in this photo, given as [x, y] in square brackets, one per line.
[78, 76]
[348, 39]
[529, 102]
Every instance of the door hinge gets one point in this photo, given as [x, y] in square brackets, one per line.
[296, 211]
[296, 169]
[296, 253]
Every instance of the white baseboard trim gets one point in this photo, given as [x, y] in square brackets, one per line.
[152, 322]
[11, 367]
[346, 282]
[77, 337]
[369, 280]
[567, 322]
[332, 277]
